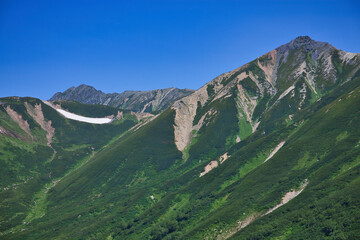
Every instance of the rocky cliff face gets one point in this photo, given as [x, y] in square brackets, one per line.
[137, 101]
[295, 74]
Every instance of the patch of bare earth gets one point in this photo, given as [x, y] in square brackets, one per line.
[185, 111]
[120, 115]
[141, 115]
[37, 114]
[287, 197]
[276, 149]
[23, 124]
[269, 67]
[209, 167]
[243, 223]
[223, 157]
[214, 164]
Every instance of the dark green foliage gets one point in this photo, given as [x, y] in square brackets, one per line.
[27, 166]
[250, 86]
[211, 142]
[226, 80]
[255, 69]
[210, 90]
[261, 106]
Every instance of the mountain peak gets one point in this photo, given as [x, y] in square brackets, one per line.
[84, 86]
[306, 42]
[303, 39]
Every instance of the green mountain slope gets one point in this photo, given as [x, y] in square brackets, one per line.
[267, 151]
[32, 163]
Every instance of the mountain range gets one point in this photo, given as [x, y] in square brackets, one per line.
[137, 101]
[270, 150]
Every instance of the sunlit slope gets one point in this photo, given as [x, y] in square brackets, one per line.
[326, 151]
[321, 154]
[110, 196]
[38, 147]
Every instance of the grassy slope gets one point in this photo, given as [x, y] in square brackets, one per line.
[329, 207]
[111, 186]
[235, 181]
[28, 166]
[110, 196]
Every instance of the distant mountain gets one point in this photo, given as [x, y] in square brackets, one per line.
[269, 150]
[136, 101]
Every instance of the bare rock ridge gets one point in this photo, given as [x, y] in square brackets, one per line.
[302, 70]
[136, 101]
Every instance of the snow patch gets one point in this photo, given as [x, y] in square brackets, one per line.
[80, 118]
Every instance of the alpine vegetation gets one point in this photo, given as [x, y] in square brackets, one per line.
[270, 150]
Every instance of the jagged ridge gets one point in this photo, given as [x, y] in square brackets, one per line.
[136, 101]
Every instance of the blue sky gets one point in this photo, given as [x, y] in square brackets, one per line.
[49, 46]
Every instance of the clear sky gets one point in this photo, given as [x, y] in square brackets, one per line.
[48, 46]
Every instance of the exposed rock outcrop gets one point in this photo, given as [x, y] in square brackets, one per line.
[23, 124]
[185, 113]
[37, 114]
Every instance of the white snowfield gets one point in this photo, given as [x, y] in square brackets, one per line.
[80, 118]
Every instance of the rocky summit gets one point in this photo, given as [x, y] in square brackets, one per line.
[269, 150]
